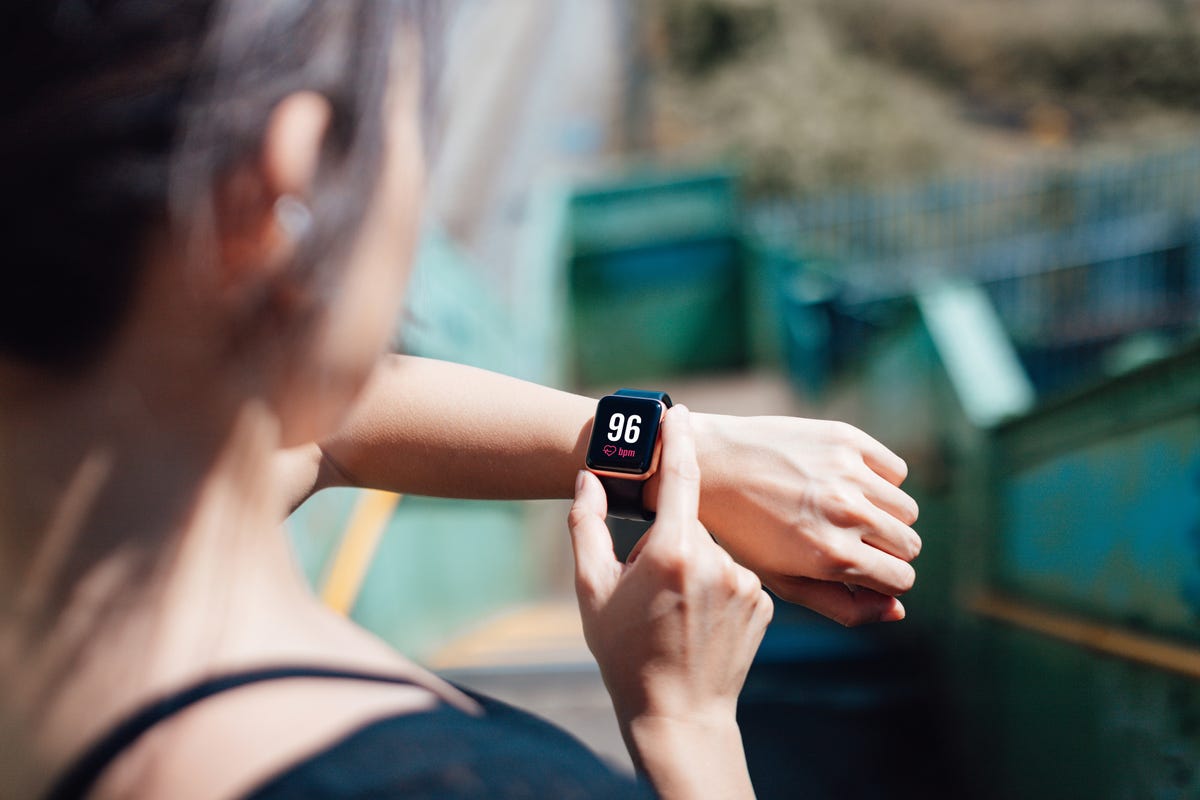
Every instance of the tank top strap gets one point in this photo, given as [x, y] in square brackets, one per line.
[77, 781]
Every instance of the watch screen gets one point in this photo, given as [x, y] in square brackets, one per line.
[623, 434]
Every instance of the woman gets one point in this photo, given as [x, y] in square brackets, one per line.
[210, 198]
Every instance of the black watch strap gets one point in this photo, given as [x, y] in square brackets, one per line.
[625, 496]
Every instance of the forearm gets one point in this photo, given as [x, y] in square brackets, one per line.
[447, 430]
[686, 760]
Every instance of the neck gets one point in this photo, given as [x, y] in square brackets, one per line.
[135, 550]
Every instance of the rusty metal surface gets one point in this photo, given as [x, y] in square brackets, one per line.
[1098, 501]
[1112, 528]
[1091, 522]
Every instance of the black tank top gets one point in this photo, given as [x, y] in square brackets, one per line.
[439, 753]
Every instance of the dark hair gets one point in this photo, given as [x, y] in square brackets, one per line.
[119, 115]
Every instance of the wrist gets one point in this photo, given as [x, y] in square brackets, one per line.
[690, 757]
[712, 437]
[719, 722]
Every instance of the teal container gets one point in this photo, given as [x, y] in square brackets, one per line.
[650, 209]
[655, 279]
[807, 300]
[766, 269]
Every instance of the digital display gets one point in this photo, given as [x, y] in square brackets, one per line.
[623, 434]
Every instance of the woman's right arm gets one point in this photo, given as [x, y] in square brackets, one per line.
[674, 630]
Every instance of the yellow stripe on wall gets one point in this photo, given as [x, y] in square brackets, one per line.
[349, 565]
[1142, 648]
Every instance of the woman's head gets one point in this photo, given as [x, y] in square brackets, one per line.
[254, 162]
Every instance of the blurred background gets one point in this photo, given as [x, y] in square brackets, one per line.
[970, 227]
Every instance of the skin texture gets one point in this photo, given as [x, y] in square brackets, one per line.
[808, 505]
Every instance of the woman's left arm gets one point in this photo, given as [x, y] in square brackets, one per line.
[810, 506]
[440, 429]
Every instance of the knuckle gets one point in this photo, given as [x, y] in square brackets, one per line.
[730, 581]
[767, 606]
[848, 461]
[576, 517]
[915, 545]
[764, 611]
[841, 506]
[746, 583]
[901, 542]
[671, 563]
[846, 433]
[835, 557]
[683, 469]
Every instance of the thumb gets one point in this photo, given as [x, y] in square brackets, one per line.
[596, 565]
[679, 486]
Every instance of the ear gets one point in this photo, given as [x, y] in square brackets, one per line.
[255, 241]
[292, 145]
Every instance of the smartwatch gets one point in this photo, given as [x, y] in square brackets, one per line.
[624, 447]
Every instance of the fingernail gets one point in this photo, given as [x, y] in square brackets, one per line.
[894, 614]
[683, 413]
[579, 481]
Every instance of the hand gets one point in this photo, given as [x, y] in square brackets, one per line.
[813, 508]
[297, 472]
[675, 630]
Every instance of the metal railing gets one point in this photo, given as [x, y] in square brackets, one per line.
[1074, 256]
[884, 231]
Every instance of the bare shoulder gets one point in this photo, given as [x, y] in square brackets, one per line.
[230, 743]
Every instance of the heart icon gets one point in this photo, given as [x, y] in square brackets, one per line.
[609, 449]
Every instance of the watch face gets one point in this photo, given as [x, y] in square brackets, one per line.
[623, 434]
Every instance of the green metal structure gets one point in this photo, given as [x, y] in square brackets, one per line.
[1059, 586]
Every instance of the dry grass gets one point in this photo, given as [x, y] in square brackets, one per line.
[813, 93]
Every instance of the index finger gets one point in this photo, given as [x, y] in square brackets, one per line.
[679, 482]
